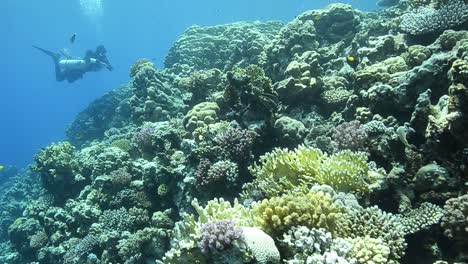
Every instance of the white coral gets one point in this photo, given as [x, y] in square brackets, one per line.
[261, 245]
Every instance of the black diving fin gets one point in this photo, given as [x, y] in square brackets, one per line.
[52, 54]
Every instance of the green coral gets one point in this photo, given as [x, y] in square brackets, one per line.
[123, 144]
[200, 115]
[282, 170]
[312, 209]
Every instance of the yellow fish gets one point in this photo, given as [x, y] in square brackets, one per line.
[1, 167]
[350, 58]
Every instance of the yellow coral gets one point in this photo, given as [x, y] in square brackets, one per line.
[297, 208]
[200, 115]
[369, 250]
[282, 170]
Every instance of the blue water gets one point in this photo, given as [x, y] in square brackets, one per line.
[35, 109]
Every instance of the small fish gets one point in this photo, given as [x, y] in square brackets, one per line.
[73, 37]
[1, 167]
[352, 61]
[317, 17]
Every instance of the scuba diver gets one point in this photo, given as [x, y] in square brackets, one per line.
[74, 69]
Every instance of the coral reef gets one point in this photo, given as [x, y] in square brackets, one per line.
[265, 142]
[281, 170]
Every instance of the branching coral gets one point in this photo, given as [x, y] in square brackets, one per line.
[425, 215]
[236, 144]
[455, 218]
[426, 20]
[188, 231]
[374, 223]
[312, 209]
[219, 235]
[282, 170]
[316, 246]
[351, 135]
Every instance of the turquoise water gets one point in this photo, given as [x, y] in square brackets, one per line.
[129, 31]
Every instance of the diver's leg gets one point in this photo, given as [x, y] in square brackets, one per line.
[59, 74]
[55, 56]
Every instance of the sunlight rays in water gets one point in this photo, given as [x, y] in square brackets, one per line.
[93, 10]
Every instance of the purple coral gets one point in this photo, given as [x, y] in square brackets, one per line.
[455, 220]
[219, 235]
[351, 135]
[236, 144]
[144, 138]
[221, 171]
[202, 172]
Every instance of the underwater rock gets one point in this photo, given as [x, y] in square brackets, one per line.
[433, 177]
[290, 132]
[307, 32]
[109, 111]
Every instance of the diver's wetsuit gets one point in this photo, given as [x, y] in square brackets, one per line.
[73, 69]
